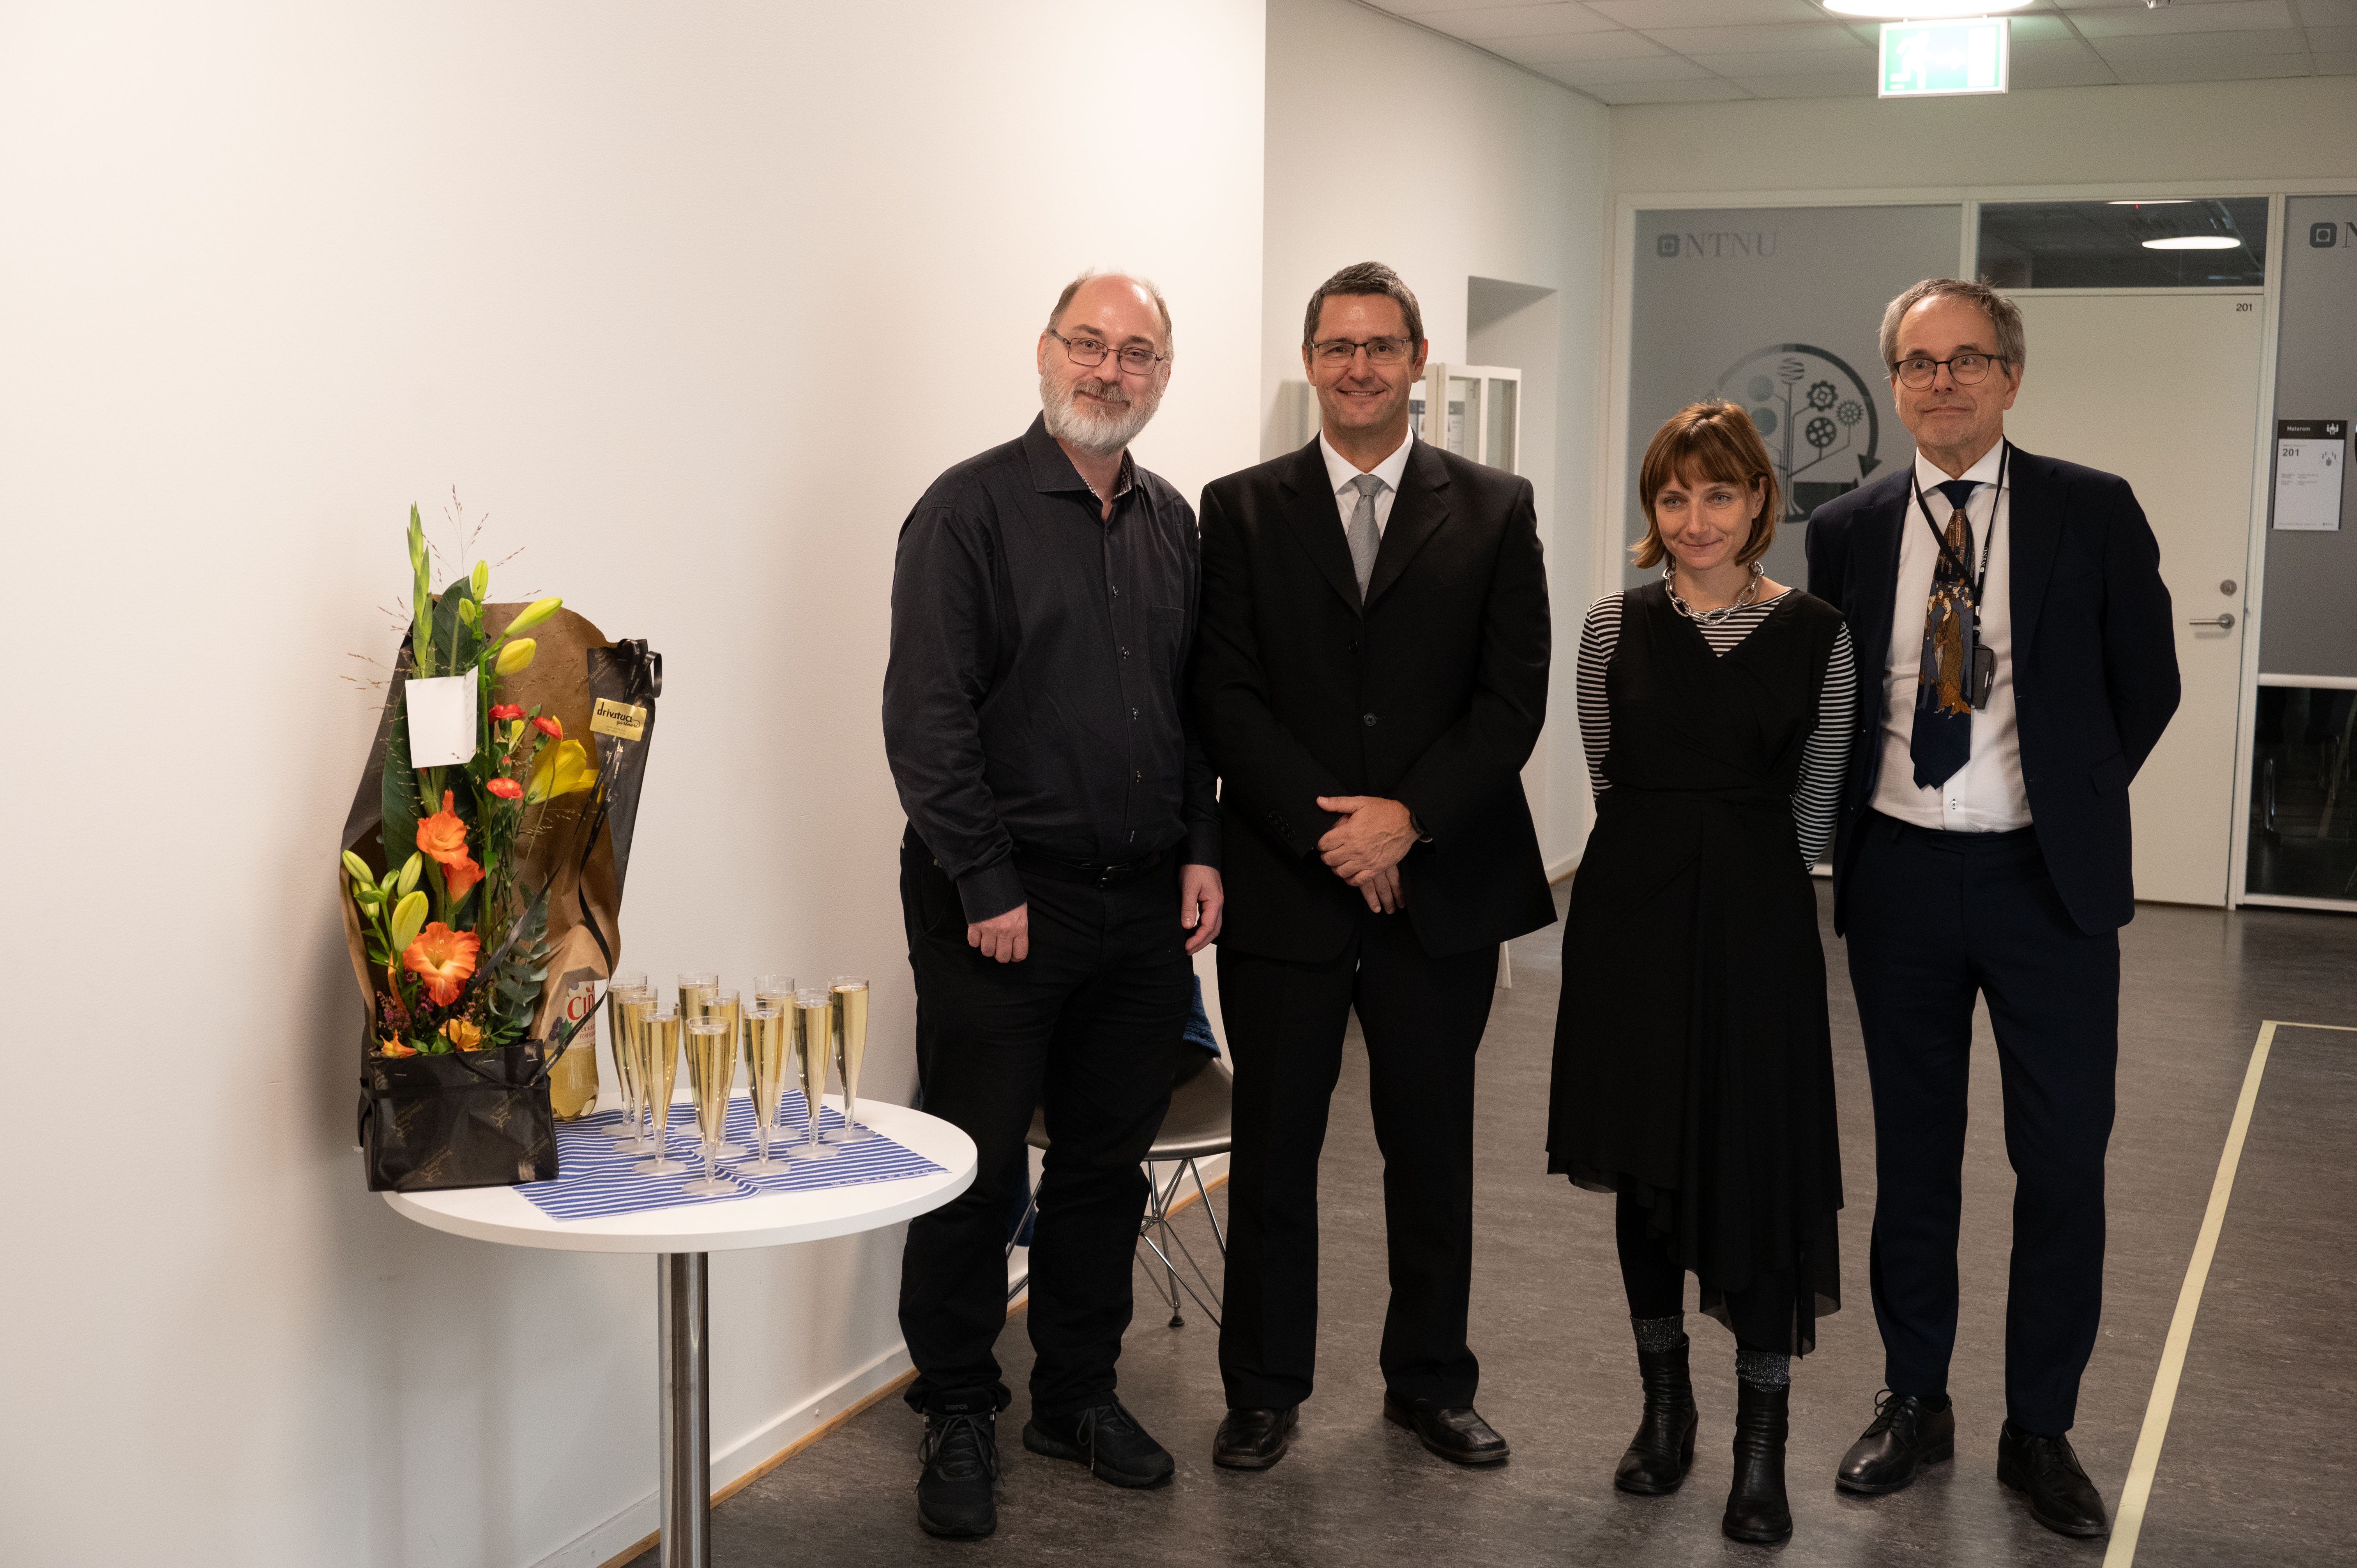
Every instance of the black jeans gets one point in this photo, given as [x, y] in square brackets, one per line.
[1085, 1026]
[1423, 1018]
[1936, 919]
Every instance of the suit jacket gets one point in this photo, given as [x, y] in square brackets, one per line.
[2094, 661]
[1432, 695]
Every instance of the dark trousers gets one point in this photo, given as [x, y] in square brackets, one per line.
[1085, 1027]
[1423, 1018]
[1934, 919]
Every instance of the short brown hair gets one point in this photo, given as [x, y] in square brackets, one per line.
[1365, 277]
[2012, 343]
[1708, 441]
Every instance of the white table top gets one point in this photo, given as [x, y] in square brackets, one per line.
[766, 1219]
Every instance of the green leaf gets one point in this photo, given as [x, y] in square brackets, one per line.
[398, 798]
[452, 633]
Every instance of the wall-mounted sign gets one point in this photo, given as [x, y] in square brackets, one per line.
[1933, 59]
[2311, 455]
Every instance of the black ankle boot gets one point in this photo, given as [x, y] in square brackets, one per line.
[1662, 1450]
[1755, 1509]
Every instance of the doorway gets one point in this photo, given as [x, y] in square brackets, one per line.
[2160, 388]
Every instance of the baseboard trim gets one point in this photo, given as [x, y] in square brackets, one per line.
[1562, 868]
[635, 1528]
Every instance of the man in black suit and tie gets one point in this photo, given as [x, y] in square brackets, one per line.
[2017, 665]
[1371, 676]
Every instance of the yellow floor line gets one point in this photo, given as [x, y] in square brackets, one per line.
[2129, 1521]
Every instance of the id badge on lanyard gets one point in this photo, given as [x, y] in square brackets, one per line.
[1979, 657]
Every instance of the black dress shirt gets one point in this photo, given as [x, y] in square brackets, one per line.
[1035, 692]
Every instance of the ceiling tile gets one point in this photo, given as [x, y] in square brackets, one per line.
[1423, 8]
[2229, 16]
[2332, 40]
[1846, 86]
[2234, 68]
[1708, 90]
[2336, 64]
[1649, 15]
[2061, 51]
[1749, 41]
[2326, 13]
[1512, 21]
[1618, 44]
[2084, 71]
[2033, 30]
[1801, 62]
[2197, 45]
[1657, 67]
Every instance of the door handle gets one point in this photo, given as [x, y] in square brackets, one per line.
[2224, 621]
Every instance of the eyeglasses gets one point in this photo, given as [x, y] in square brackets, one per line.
[1965, 370]
[1341, 351]
[1087, 352]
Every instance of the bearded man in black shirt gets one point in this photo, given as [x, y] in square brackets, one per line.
[1060, 868]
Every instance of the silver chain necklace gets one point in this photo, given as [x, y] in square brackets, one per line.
[1711, 618]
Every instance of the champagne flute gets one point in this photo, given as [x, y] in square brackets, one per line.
[723, 1005]
[621, 991]
[696, 987]
[712, 1047]
[850, 1029]
[657, 1033]
[768, 1043]
[814, 1014]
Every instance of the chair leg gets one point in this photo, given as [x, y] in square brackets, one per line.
[1204, 1195]
[1017, 1287]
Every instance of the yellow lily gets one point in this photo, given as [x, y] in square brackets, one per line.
[410, 870]
[534, 614]
[408, 919]
[516, 657]
[357, 869]
[561, 769]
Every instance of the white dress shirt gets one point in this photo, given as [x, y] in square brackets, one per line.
[1985, 794]
[1340, 471]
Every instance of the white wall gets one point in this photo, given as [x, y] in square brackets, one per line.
[1389, 143]
[2291, 128]
[692, 300]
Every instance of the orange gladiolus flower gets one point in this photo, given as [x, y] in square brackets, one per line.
[443, 835]
[505, 789]
[458, 877]
[443, 959]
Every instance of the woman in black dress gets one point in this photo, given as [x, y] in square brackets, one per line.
[1693, 1066]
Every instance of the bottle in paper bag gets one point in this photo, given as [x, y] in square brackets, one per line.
[573, 1083]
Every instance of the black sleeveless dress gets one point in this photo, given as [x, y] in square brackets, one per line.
[1693, 1060]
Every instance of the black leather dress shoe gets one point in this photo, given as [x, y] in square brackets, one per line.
[1253, 1439]
[1904, 1437]
[1662, 1450]
[1456, 1434]
[2046, 1471]
[1756, 1508]
[955, 1495]
[1107, 1439]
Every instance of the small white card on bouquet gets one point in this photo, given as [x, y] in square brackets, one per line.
[442, 715]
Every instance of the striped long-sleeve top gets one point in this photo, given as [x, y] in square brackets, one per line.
[1824, 758]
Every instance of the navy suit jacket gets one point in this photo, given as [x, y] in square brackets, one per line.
[2094, 661]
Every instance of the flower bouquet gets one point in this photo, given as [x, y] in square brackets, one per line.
[481, 874]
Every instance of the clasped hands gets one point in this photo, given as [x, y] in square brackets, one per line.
[1364, 848]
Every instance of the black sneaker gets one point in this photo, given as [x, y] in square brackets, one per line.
[954, 1492]
[1107, 1439]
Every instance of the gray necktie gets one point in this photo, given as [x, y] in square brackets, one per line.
[1363, 538]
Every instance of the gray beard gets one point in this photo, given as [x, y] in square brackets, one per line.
[1098, 434]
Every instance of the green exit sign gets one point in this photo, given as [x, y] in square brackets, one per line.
[1927, 60]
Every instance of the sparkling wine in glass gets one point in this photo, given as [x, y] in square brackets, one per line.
[813, 1038]
[712, 1047]
[723, 1004]
[850, 1030]
[657, 1032]
[621, 993]
[770, 1045]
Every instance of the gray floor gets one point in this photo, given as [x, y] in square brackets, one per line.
[2272, 1364]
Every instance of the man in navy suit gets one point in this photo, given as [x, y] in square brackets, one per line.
[2017, 665]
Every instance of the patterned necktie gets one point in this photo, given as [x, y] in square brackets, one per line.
[1942, 740]
[1363, 540]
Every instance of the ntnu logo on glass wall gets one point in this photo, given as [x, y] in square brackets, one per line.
[2323, 236]
[1718, 244]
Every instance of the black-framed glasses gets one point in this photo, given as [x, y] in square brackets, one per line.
[1339, 351]
[1965, 370]
[1090, 352]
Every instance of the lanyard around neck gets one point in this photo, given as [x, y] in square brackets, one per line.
[1973, 587]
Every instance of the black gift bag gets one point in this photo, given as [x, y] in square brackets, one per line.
[468, 1119]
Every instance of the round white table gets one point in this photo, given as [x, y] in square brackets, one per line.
[682, 1239]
